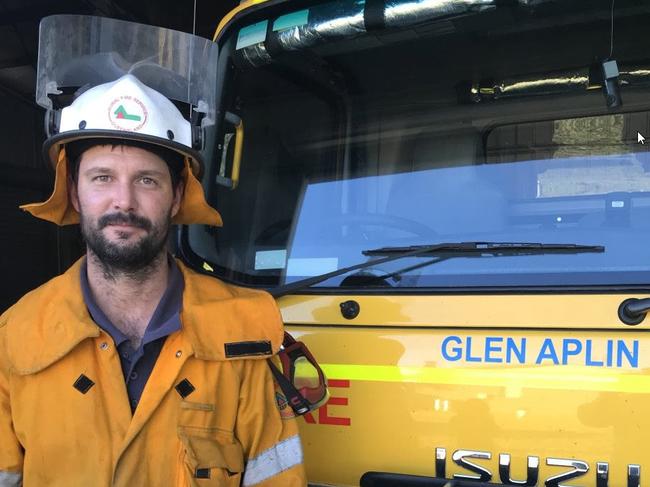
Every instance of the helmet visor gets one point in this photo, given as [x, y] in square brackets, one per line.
[80, 52]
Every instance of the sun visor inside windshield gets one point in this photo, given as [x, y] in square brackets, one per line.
[366, 24]
[342, 20]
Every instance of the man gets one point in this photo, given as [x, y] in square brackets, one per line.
[131, 369]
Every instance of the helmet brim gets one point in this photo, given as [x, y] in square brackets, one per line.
[52, 146]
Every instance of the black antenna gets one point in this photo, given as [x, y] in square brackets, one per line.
[194, 19]
[188, 84]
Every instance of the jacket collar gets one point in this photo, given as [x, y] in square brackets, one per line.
[54, 319]
[48, 323]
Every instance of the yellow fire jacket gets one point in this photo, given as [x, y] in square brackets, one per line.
[207, 416]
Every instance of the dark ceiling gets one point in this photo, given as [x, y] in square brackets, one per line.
[19, 21]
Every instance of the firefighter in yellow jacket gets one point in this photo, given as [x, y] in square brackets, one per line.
[131, 369]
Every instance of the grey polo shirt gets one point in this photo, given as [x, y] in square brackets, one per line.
[138, 364]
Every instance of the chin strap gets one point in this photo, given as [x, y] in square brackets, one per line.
[298, 403]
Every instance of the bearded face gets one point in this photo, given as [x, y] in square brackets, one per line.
[123, 253]
[126, 201]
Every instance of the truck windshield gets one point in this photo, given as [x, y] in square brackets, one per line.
[434, 126]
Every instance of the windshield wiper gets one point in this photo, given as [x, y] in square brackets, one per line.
[494, 248]
[448, 250]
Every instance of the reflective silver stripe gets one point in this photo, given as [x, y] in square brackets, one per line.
[271, 462]
[9, 479]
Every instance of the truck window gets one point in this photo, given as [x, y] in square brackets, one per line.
[386, 139]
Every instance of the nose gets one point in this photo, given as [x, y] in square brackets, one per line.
[124, 198]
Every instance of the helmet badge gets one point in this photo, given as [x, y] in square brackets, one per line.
[127, 113]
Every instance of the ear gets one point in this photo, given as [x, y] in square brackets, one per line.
[72, 194]
[178, 197]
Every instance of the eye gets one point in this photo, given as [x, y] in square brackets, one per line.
[147, 181]
[102, 178]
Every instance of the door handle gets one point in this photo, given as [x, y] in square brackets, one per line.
[232, 181]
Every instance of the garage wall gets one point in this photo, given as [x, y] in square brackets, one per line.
[30, 249]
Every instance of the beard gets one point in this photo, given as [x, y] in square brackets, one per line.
[134, 259]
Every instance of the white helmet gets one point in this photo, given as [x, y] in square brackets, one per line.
[130, 73]
[124, 109]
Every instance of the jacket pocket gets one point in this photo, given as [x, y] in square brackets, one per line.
[209, 458]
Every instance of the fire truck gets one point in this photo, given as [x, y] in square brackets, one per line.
[450, 200]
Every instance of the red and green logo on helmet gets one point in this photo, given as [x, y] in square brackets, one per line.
[127, 113]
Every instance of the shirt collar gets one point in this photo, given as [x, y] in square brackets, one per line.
[165, 319]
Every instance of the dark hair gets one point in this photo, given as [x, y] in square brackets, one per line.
[175, 161]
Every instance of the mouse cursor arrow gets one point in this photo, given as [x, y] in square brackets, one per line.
[640, 139]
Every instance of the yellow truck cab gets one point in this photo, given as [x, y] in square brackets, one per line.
[451, 201]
